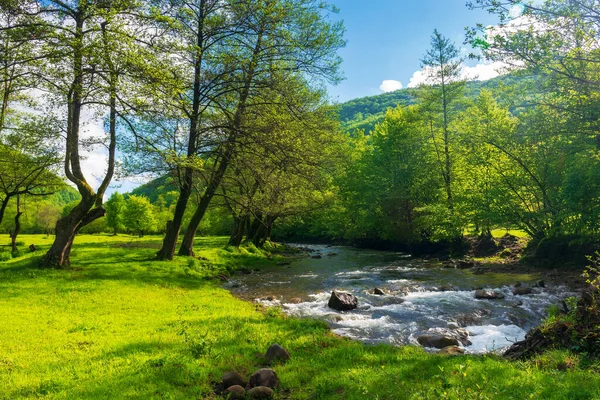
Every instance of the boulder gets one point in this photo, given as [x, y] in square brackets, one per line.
[541, 284]
[451, 351]
[379, 292]
[233, 379]
[264, 377]
[488, 294]
[465, 264]
[316, 256]
[436, 340]
[260, 392]
[235, 392]
[521, 291]
[472, 318]
[460, 334]
[245, 271]
[342, 301]
[276, 353]
[295, 300]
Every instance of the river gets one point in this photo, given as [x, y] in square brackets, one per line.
[421, 295]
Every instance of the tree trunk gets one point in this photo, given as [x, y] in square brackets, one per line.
[15, 232]
[167, 250]
[187, 246]
[3, 207]
[66, 228]
[237, 234]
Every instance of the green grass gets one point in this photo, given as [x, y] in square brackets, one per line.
[120, 325]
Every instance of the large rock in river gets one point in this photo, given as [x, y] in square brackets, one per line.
[436, 340]
[522, 290]
[342, 301]
[451, 351]
[488, 294]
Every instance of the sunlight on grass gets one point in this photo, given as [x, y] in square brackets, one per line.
[120, 325]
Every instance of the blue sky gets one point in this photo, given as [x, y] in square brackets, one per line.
[387, 38]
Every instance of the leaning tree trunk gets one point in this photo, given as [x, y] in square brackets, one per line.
[15, 232]
[66, 228]
[187, 245]
[167, 250]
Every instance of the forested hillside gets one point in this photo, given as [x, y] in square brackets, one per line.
[366, 112]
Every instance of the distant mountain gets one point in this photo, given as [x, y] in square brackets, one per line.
[366, 112]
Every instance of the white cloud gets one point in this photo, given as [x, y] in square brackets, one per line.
[390, 85]
[479, 72]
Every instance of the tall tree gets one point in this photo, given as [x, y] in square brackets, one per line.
[281, 38]
[443, 68]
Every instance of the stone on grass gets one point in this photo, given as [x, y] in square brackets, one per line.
[488, 294]
[264, 377]
[276, 353]
[235, 392]
[233, 379]
[342, 301]
[260, 392]
[451, 351]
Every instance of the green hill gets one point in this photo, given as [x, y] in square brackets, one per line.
[366, 112]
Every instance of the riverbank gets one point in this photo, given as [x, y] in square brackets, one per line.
[120, 325]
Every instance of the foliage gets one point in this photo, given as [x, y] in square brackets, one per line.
[115, 207]
[138, 215]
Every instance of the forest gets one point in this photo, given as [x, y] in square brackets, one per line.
[220, 109]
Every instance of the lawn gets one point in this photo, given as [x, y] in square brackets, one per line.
[120, 325]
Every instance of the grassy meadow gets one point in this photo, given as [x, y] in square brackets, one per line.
[118, 325]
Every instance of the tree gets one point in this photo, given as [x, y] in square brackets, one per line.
[138, 216]
[443, 67]
[280, 41]
[115, 207]
[90, 64]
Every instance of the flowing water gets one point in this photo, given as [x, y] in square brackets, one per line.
[422, 295]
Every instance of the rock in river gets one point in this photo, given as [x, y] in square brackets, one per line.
[451, 351]
[488, 294]
[437, 341]
[522, 290]
[342, 301]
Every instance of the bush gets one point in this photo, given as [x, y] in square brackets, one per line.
[5, 256]
[17, 253]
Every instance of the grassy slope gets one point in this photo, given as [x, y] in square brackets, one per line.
[119, 325]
